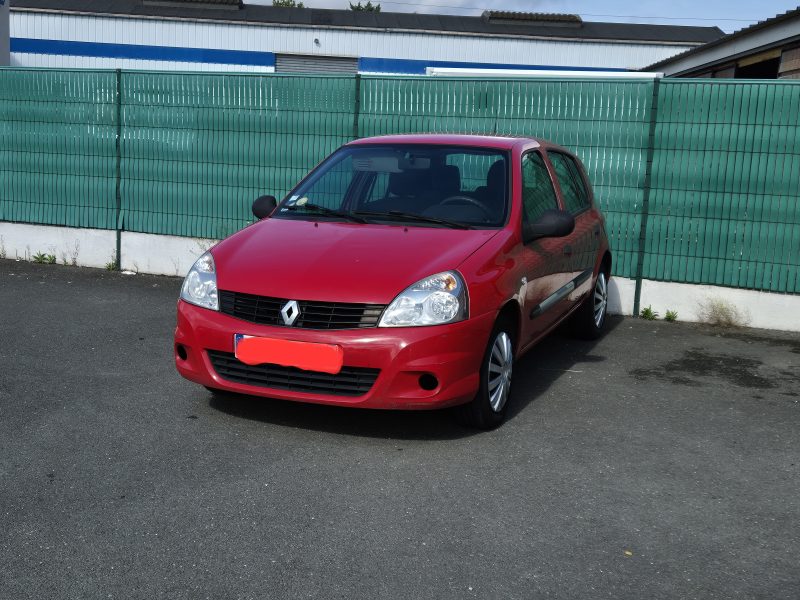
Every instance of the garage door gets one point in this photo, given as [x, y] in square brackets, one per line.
[303, 63]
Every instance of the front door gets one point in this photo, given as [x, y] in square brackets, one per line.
[581, 245]
[545, 297]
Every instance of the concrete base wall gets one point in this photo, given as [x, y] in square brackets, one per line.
[82, 247]
[171, 255]
[161, 254]
[757, 309]
[141, 252]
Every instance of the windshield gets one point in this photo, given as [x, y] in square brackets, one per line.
[431, 186]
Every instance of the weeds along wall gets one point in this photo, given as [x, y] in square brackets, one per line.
[699, 179]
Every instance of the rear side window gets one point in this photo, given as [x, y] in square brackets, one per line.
[576, 197]
[538, 194]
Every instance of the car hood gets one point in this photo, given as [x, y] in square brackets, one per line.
[338, 262]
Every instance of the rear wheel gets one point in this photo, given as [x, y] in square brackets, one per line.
[488, 409]
[588, 321]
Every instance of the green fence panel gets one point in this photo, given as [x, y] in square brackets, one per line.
[605, 123]
[57, 147]
[725, 196]
[197, 149]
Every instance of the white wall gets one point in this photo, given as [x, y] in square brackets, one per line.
[335, 42]
[757, 309]
[52, 61]
[83, 247]
[161, 254]
[141, 252]
[171, 255]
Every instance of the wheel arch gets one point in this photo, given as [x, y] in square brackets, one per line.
[605, 264]
[512, 312]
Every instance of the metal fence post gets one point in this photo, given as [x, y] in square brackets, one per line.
[118, 174]
[648, 173]
[357, 106]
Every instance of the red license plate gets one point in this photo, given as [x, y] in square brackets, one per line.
[326, 358]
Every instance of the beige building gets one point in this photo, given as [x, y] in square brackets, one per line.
[767, 50]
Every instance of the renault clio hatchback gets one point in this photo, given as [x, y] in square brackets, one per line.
[404, 272]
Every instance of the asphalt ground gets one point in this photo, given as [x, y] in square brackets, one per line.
[659, 462]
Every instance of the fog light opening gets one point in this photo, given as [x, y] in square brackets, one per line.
[180, 349]
[428, 382]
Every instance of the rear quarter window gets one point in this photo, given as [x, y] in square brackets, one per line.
[576, 196]
[538, 194]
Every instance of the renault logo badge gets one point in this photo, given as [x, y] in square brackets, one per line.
[290, 312]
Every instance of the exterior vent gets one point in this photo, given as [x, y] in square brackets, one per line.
[313, 315]
[350, 381]
[502, 17]
[300, 63]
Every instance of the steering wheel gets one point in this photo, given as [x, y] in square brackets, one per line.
[459, 199]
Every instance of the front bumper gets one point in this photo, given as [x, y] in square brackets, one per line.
[450, 353]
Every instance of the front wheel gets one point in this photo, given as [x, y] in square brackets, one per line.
[488, 409]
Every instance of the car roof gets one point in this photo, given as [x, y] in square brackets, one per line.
[448, 139]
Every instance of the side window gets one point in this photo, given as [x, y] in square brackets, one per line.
[538, 194]
[576, 197]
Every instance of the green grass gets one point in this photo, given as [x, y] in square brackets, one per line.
[44, 259]
[649, 314]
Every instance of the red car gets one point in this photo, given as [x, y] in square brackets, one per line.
[404, 272]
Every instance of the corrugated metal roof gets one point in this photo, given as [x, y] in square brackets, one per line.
[196, 2]
[506, 15]
[256, 14]
[736, 35]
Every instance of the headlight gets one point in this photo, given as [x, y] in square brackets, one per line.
[435, 300]
[200, 285]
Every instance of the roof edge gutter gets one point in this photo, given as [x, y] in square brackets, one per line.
[539, 73]
[565, 39]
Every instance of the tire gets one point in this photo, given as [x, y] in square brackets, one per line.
[488, 409]
[589, 320]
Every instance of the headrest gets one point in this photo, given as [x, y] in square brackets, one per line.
[496, 178]
[409, 183]
[448, 180]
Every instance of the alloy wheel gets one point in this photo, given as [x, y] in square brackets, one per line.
[501, 362]
[600, 299]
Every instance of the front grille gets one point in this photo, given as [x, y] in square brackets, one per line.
[313, 315]
[350, 381]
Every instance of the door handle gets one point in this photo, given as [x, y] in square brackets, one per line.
[568, 250]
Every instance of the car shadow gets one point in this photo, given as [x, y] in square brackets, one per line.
[341, 420]
[550, 359]
[534, 374]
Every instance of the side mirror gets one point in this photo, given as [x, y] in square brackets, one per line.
[263, 206]
[552, 223]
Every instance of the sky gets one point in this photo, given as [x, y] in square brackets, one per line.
[728, 15]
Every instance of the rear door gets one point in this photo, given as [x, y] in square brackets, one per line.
[581, 246]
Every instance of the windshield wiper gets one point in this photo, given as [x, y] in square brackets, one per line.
[400, 215]
[328, 211]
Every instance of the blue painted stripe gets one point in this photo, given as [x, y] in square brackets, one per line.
[139, 52]
[417, 67]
